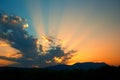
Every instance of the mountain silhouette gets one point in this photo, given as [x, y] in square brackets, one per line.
[85, 66]
[78, 71]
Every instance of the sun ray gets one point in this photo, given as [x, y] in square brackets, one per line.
[55, 17]
[72, 25]
[76, 25]
[36, 16]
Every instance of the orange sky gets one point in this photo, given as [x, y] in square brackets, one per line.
[98, 50]
[7, 51]
[6, 62]
[92, 29]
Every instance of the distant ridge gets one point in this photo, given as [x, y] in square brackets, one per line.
[78, 71]
[85, 66]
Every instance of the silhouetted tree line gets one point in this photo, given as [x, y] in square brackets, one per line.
[103, 73]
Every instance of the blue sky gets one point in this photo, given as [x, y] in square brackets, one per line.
[97, 8]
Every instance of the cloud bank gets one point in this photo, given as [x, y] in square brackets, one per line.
[32, 51]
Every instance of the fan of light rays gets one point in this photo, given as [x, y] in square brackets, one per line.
[66, 23]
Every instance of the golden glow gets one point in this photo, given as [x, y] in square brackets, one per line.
[45, 41]
[92, 36]
[58, 60]
[6, 62]
[7, 51]
[3, 43]
[98, 50]
[25, 26]
[13, 55]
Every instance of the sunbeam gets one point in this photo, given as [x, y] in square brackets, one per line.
[77, 26]
[36, 16]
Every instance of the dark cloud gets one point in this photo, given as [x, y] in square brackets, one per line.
[12, 29]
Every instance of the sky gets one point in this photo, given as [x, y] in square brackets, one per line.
[90, 27]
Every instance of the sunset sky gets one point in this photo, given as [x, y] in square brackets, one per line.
[91, 27]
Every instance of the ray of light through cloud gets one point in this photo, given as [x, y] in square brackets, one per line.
[72, 21]
[36, 15]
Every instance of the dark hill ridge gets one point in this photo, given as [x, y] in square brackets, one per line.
[85, 66]
[78, 71]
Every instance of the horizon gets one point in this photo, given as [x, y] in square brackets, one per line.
[81, 65]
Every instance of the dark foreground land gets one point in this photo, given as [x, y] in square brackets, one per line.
[103, 73]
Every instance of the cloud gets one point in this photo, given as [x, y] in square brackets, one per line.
[4, 62]
[7, 51]
[3, 44]
[32, 51]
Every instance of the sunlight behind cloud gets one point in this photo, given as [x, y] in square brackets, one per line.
[86, 28]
